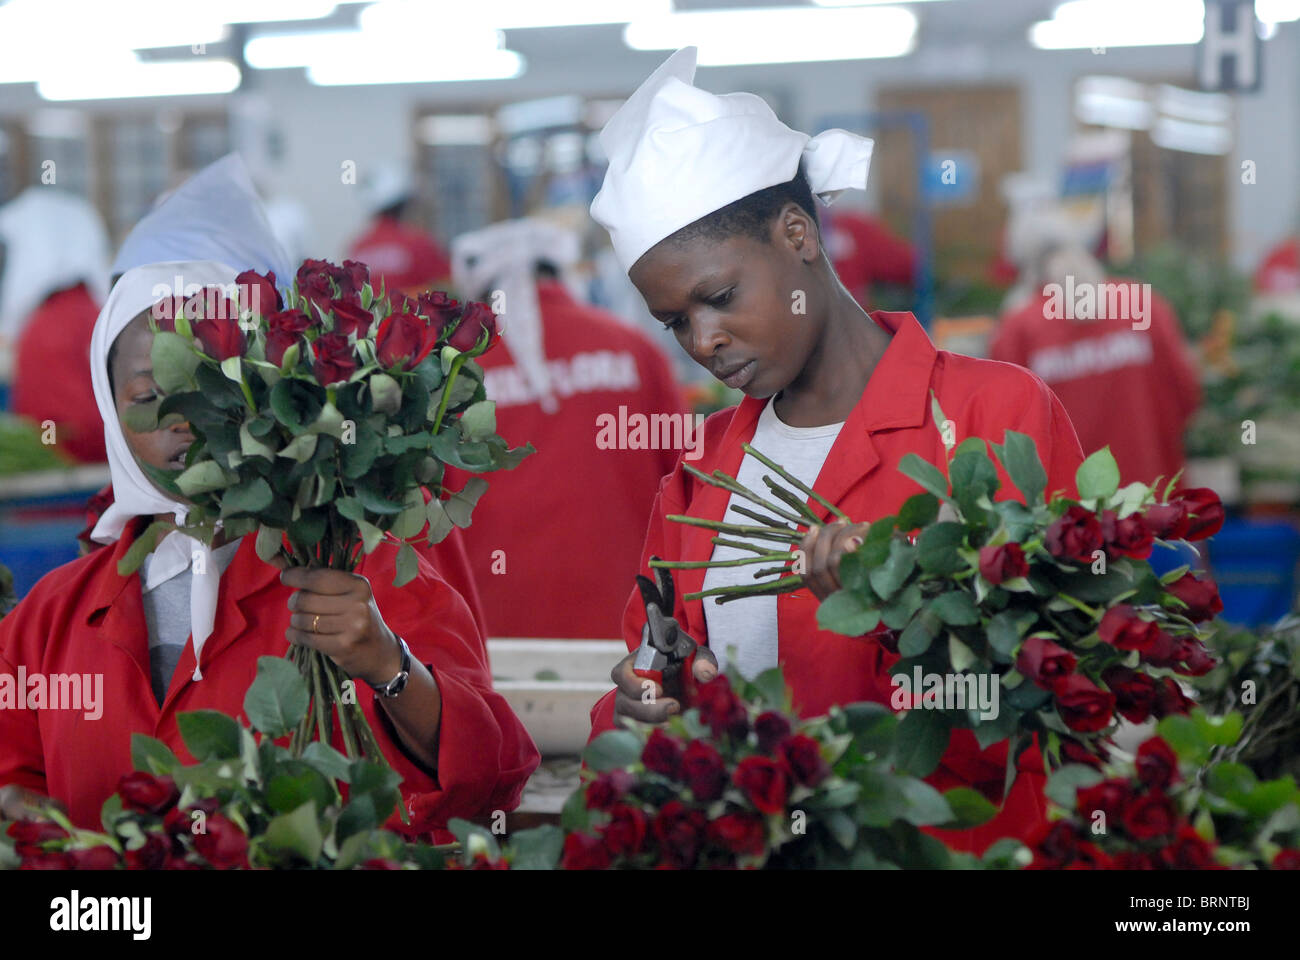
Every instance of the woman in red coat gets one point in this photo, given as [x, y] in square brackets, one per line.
[836, 395]
[182, 635]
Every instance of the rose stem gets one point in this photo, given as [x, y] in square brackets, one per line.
[720, 479]
[711, 564]
[761, 533]
[348, 741]
[739, 545]
[771, 571]
[322, 721]
[755, 515]
[794, 481]
[456, 364]
[784, 585]
[790, 498]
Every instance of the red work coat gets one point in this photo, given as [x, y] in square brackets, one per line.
[401, 256]
[1131, 390]
[1280, 270]
[85, 618]
[56, 339]
[574, 513]
[861, 477]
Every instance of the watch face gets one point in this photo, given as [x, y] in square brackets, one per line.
[398, 684]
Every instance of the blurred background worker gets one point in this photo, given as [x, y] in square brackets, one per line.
[399, 254]
[865, 251]
[1111, 349]
[53, 279]
[555, 542]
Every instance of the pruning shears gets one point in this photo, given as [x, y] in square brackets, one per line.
[667, 653]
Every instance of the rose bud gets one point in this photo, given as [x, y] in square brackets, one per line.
[1201, 596]
[1135, 693]
[404, 339]
[477, 318]
[1003, 563]
[355, 276]
[30, 835]
[222, 843]
[703, 771]
[219, 338]
[772, 728]
[278, 343]
[1170, 698]
[743, 834]
[1204, 511]
[1189, 851]
[350, 318]
[802, 757]
[1109, 796]
[102, 857]
[1196, 659]
[1054, 844]
[721, 709]
[1082, 704]
[179, 821]
[584, 852]
[1075, 752]
[1129, 537]
[165, 312]
[47, 861]
[442, 311]
[624, 835]
[1156, 763]
[680, 832]
[1167, 521]
[608, 789]
[662, 755]
[1044, 662]
[145, 793]
[1122, 628]
[257, 293]
[1286, 860]
[763, 783]
[1164, 651]
[335, 360]
[152, 856]
[1149, 815]
[1074, 536]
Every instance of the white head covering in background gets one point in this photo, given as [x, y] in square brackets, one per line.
[215, 215]
[53, 240]
[677, 153]
[503, 257]
[133, 494]
[385, 186]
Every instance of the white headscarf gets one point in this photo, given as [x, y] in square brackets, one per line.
[215, 215]
[53, 240]
[133, 494]
[503, 257]
[677, 153]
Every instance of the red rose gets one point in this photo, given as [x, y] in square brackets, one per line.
[608, 789]
[1134, 860]
[802, 756]
[624, 835]
[1129, 537]
[1204, 511]
[1163, 650]
[1201, 597]
[222, 843]
[335, 360]
[181, 820]
[355, 275]
[477, 319]
[102, 857]
[1196, 659]
[1157, 764]
[145, 793]
[1074, 536]
[1044, 662]
[1135, 693]
[350, 318]
[1121, 627]
[704, 771]
[1286, 860]
[1189, 851]
[1054, 844]
[743, 834]
[763, 782]
[721, 709]
[1082, 705]
[1088, 857]
[1170, 698]
[1109, 796]
[152, 856]
[584, 852]
[47, 861]
[319, 270]
[662, 755]
[1150, 815]
[220, 338]
[30, 835]
[165, 312]
[258, 294]
[442, 311]
[1003, 563]
[405, 339]
[1168, 521]
[1075, 752]
[772, 728]
[680, 832]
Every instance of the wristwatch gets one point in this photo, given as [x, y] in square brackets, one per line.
[396, 685]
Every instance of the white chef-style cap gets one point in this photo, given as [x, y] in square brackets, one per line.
[677, 153]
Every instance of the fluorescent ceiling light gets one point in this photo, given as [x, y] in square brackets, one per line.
[1277, 11]
[779, 34]
[307, 49]
[464, 65]
[1084, 24]
[405, 15]
[857, 3]
[266, 11]
[1174, 134]
[122, 78]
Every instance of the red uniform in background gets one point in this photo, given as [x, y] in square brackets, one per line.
[570, 520]
[861, 477]
[1132, 389]
[84, 618]
[1280, 271]
[402, 257]
[865, 251]
[52, 373]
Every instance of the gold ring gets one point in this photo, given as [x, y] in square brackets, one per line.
[315, 621]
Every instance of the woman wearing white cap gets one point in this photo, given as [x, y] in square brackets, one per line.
[185, 632]
[709, 201]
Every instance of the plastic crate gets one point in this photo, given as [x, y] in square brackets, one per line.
[31, 548]
[1254, 563]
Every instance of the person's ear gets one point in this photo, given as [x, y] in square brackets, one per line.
[799, 230]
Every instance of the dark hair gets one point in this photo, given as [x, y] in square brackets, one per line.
[752, 215]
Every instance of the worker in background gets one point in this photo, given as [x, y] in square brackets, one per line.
[555, 542]
[1279, 272]
[866, 252]
[401, 255]
[1112, 350]
[53, 280]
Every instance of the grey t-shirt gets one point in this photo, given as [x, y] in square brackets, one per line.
[167, 613]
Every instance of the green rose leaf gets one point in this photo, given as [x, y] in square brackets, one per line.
[460, 505]
[479, 421]
[209, 734]
[300, 448]
[174, 362]
[925, 473]
[408, 565]
[890, 575]
[845, 612]
[277, 700]
[613, 750]
[150, 755]
[142, 417]
[925, 805]
[919, 510]
[295, 783]
[915, 638]
[371, 535]
[537, 849]
[250, 446]
[440, 524]
[956, 607]
[144, 545]
[203, 477]
[1020, 458]
[936, 548]
[248, 497]
[296, 833]
[268, 543]
[921, 741]
[327, 760]
[1063, 783]
[1097, 477]
[969, 807]
[385, 393]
